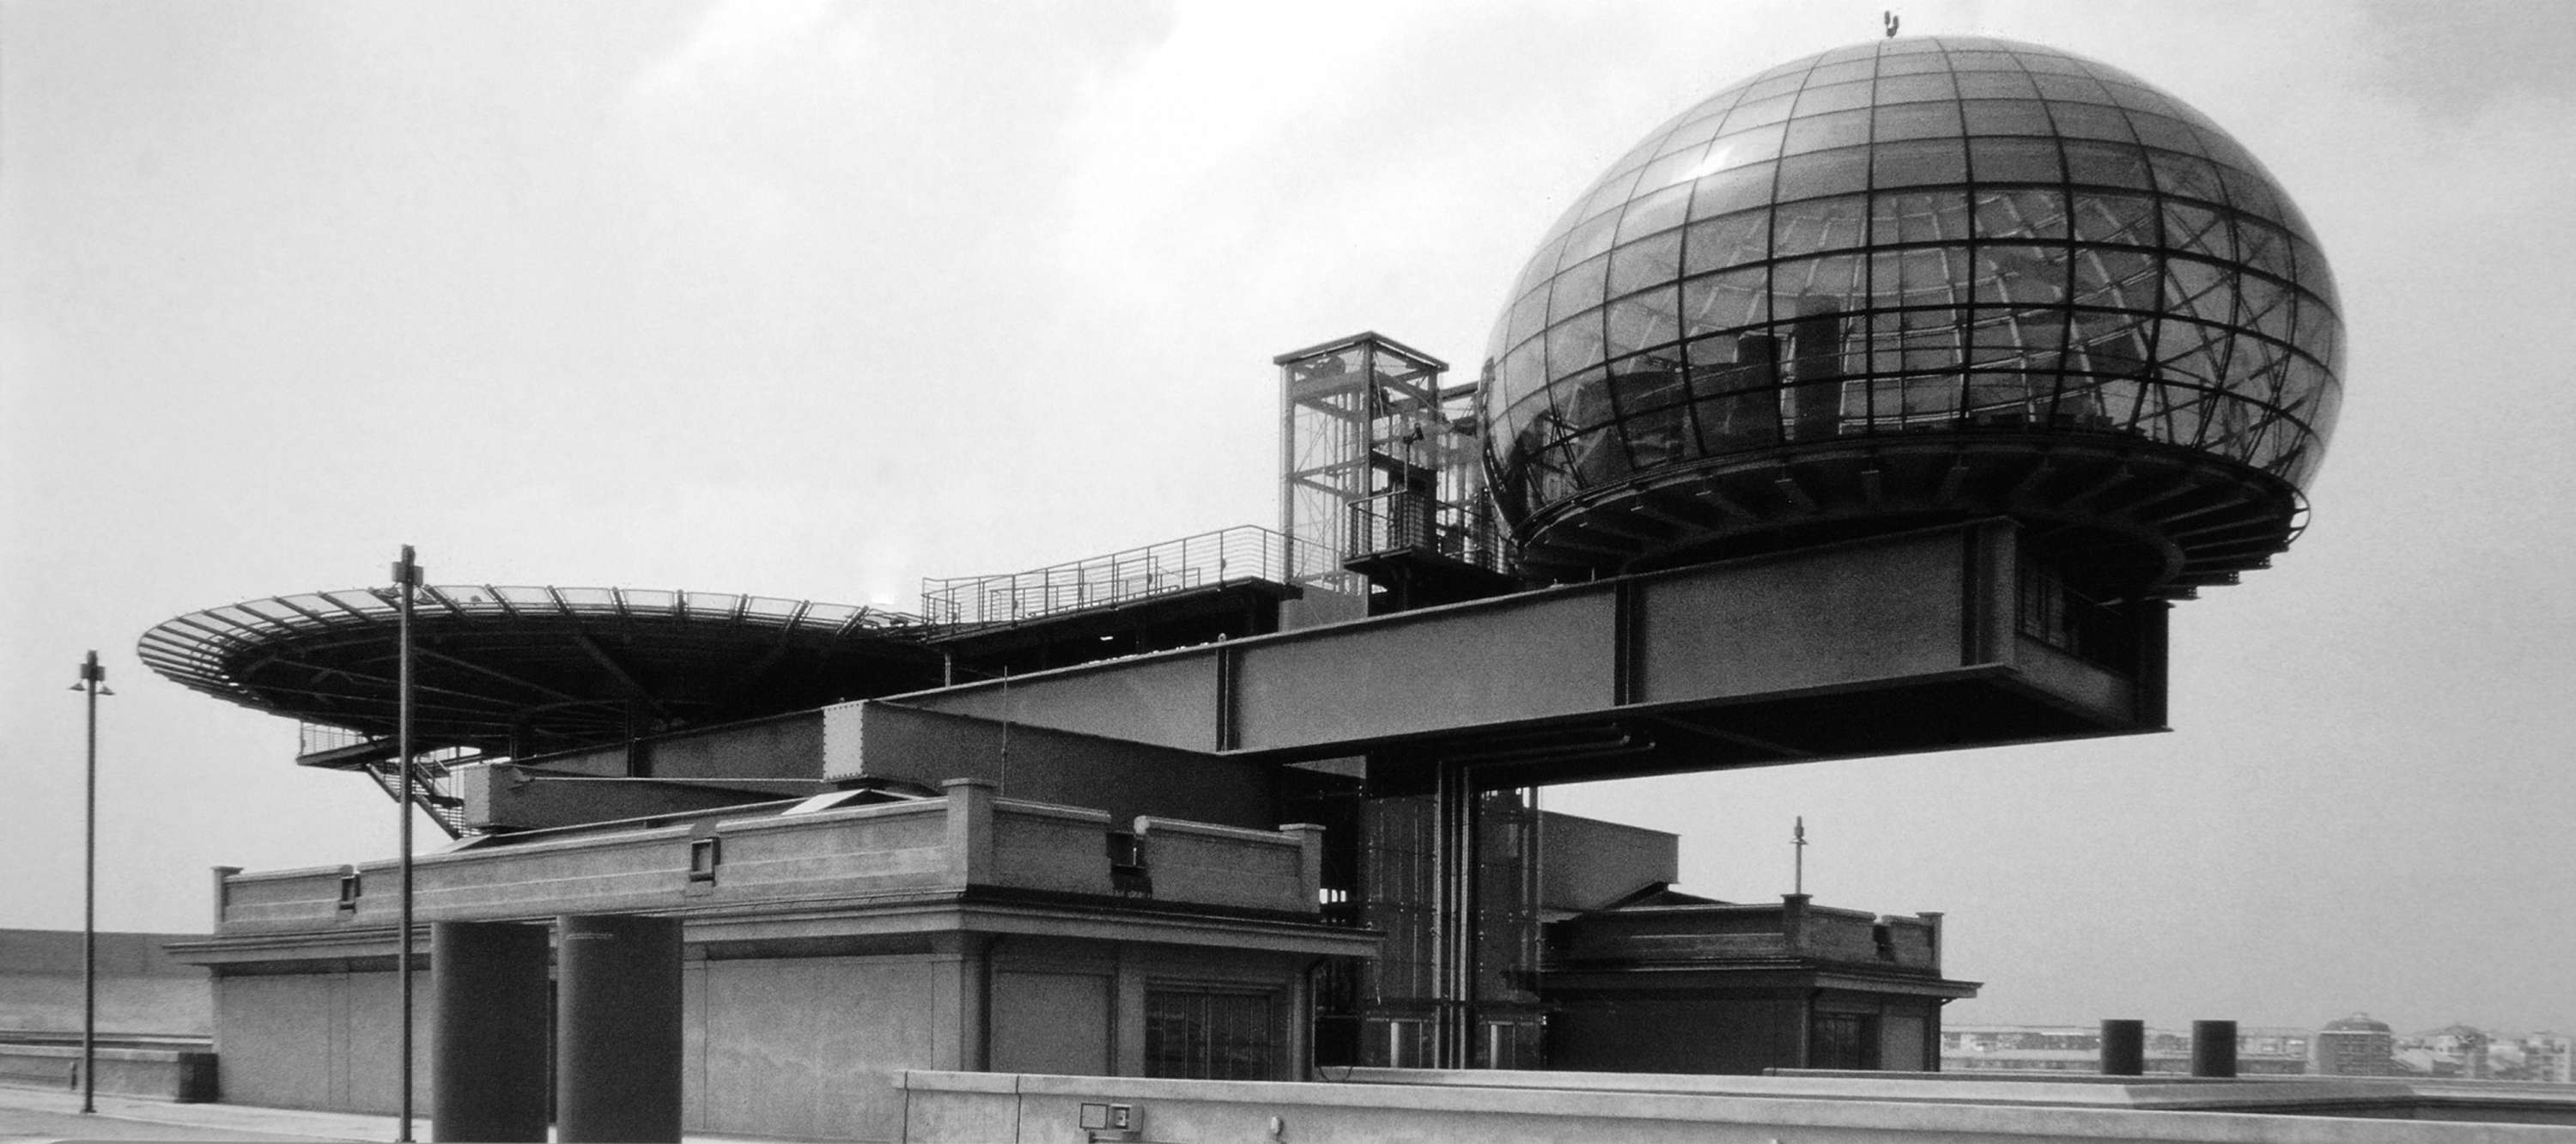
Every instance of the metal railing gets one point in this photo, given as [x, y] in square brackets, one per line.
[1228, 555]
[431, 770]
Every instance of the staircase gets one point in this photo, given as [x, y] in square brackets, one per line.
[432, 789]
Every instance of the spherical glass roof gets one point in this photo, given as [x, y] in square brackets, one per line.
[1907, 237]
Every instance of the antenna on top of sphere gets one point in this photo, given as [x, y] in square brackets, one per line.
[1890, 19]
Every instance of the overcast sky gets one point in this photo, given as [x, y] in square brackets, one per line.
[814, 301]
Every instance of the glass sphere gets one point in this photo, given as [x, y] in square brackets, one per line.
[1906, 239]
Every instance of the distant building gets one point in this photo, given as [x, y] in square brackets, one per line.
[2355, 1046]
[2548, 1056]
[2078, 1048]
[2451, 1051]
[1667, 982]
[2469, 1053]
[141, 990]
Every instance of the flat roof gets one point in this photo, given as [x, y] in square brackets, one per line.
[539, 668]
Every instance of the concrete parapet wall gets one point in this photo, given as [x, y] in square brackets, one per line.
[860, 850]
[185, 1075]
[1043, 847]
[631, 871]
[969, 838]
[1793, 928]
[305, 898]
[1218, 865]
[943, 1107]
[1838, 935]
[1916, 941]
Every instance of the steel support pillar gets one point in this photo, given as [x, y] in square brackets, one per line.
[1455, 819]
[617, 1028]
[487, 1038]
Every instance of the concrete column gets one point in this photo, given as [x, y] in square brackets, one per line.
[1310, 861]
[617, 1029]
[2124, 1048]
[970, 829]
[2213, 1048]
[487, 1038]
[223, 894]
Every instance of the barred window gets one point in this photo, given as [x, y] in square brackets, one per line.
[1210, 1035]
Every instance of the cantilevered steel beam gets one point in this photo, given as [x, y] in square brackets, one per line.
[1885, 645]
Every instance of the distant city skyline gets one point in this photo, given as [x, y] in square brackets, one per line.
[852, 295]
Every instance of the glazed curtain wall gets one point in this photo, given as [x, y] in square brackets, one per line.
[1918, 234]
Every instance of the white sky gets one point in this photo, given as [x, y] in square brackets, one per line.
[815, 300]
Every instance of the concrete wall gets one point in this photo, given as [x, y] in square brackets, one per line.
[814, 1047]
[827, 952]
[324, 1040]
[1537, 1107]
[182, 1075]
[1792, 928]
[1677, 1034]
[810, 1047]
[782, 1046]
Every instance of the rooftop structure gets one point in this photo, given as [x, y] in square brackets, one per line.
[1921, 279]
[1879, 404]
[513, 670]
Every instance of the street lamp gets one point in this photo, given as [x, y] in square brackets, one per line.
[407, 575]
[93, 683]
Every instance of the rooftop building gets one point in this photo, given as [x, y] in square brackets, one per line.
[1880, 403]
[2356, 1046]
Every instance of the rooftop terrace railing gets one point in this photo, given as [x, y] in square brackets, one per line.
[1209, 559]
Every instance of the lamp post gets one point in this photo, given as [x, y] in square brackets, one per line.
[406, 582]
[1798, 850]
[93, 683]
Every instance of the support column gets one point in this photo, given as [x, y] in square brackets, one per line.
[1455, 866]
[617, 1029]
[487, 1039]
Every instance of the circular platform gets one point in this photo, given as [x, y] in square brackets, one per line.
[519, 671]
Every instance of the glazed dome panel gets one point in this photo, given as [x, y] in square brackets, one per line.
[1904, 238]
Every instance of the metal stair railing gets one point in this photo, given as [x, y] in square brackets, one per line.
[431, 788]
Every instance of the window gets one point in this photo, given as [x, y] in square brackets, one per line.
[1842, 1041]
[1207, 1035]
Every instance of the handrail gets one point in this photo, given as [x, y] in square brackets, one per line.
[1208, 559]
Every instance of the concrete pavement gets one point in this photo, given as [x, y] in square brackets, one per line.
[42, 1114]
